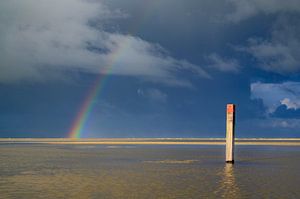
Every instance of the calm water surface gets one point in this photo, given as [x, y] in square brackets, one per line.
[98, 171]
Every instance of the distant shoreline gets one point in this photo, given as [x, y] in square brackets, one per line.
[153, 141]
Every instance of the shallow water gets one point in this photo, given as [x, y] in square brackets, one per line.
[153, 171]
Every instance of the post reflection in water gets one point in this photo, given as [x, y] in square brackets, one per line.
[228, 187]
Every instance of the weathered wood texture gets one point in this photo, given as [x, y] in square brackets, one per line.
[230, 125]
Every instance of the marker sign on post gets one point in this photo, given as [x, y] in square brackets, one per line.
[230, 124]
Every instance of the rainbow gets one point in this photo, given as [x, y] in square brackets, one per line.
[86, 108]
[89, 101]
[95, 90]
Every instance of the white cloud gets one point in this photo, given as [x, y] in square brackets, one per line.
[281, 123]
[40, 38]
[295, 104]
[223, 64]
[274, 95]
[153, 94]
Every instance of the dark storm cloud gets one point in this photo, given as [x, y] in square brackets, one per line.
[42, 38]
[280, 53]
[245, 9]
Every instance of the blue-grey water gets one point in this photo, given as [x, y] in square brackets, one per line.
[153, 171]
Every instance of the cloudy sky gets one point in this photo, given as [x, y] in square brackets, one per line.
[169, 67]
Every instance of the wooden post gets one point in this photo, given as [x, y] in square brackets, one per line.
[230, 123]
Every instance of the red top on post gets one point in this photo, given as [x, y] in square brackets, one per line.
[230, 108]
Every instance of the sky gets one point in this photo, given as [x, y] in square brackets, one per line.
[149, 68]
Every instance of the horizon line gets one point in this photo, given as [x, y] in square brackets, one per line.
[179, 138]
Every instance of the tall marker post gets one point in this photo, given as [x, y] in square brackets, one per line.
[230, 125]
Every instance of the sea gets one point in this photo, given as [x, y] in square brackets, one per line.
[42, 170]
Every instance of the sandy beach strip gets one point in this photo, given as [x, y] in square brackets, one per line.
[153, 141]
